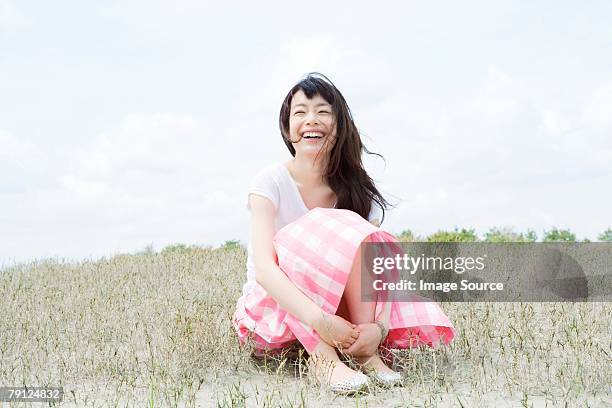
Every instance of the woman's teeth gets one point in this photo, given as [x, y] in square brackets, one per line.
[309, 135]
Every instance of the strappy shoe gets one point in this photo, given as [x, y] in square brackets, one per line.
[356, 384]
[383, 379]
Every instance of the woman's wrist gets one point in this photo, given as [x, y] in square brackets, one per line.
[316, 317]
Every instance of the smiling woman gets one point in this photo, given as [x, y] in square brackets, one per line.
[318, 108]
[309, 217]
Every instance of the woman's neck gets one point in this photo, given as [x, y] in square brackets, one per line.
[307, 171]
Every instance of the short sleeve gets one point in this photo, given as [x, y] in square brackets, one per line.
[264, 184]
[376, 212]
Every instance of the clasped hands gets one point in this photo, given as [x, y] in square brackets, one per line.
[358, 340]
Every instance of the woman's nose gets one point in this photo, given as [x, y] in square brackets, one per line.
[312, 118]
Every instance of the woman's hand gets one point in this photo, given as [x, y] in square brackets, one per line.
[367, 343]
[336, 331]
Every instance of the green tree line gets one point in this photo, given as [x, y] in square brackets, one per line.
[495, 234]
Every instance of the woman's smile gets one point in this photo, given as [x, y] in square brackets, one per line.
[312, 136]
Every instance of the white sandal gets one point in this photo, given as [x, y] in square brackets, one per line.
[383, 379]
[387, 379]
[357, 383]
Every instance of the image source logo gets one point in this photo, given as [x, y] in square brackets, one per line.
[496, 272]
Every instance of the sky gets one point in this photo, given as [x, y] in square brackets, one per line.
[126, 124]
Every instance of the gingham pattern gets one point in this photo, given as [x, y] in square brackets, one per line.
[316, 252]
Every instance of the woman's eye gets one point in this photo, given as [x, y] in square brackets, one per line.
[296, 112]
[323, 112]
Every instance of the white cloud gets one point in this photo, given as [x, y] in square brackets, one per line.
[156, 178]
[497, 97]
[493, 158]
[11, 17]
[583, 136]
[153, 168]
[489, 155]
[597, 112]
[22, 163]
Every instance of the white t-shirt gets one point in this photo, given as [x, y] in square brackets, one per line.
[275, 183]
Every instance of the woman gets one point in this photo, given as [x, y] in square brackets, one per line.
[309, 216]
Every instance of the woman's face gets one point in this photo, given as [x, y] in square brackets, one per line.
[311, 124]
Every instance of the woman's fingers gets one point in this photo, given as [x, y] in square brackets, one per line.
[346, 342]
[350, 350]
[341, 332]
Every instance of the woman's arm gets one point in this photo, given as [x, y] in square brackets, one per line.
[269, 275]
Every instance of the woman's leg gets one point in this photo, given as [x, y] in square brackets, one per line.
[343, 310]
[361, 312]
[326, 365]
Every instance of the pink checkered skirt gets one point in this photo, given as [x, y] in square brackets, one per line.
[317, 252]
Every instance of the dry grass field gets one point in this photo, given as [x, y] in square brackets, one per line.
[153, 329]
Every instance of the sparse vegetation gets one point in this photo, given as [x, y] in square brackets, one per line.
[154, 329]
